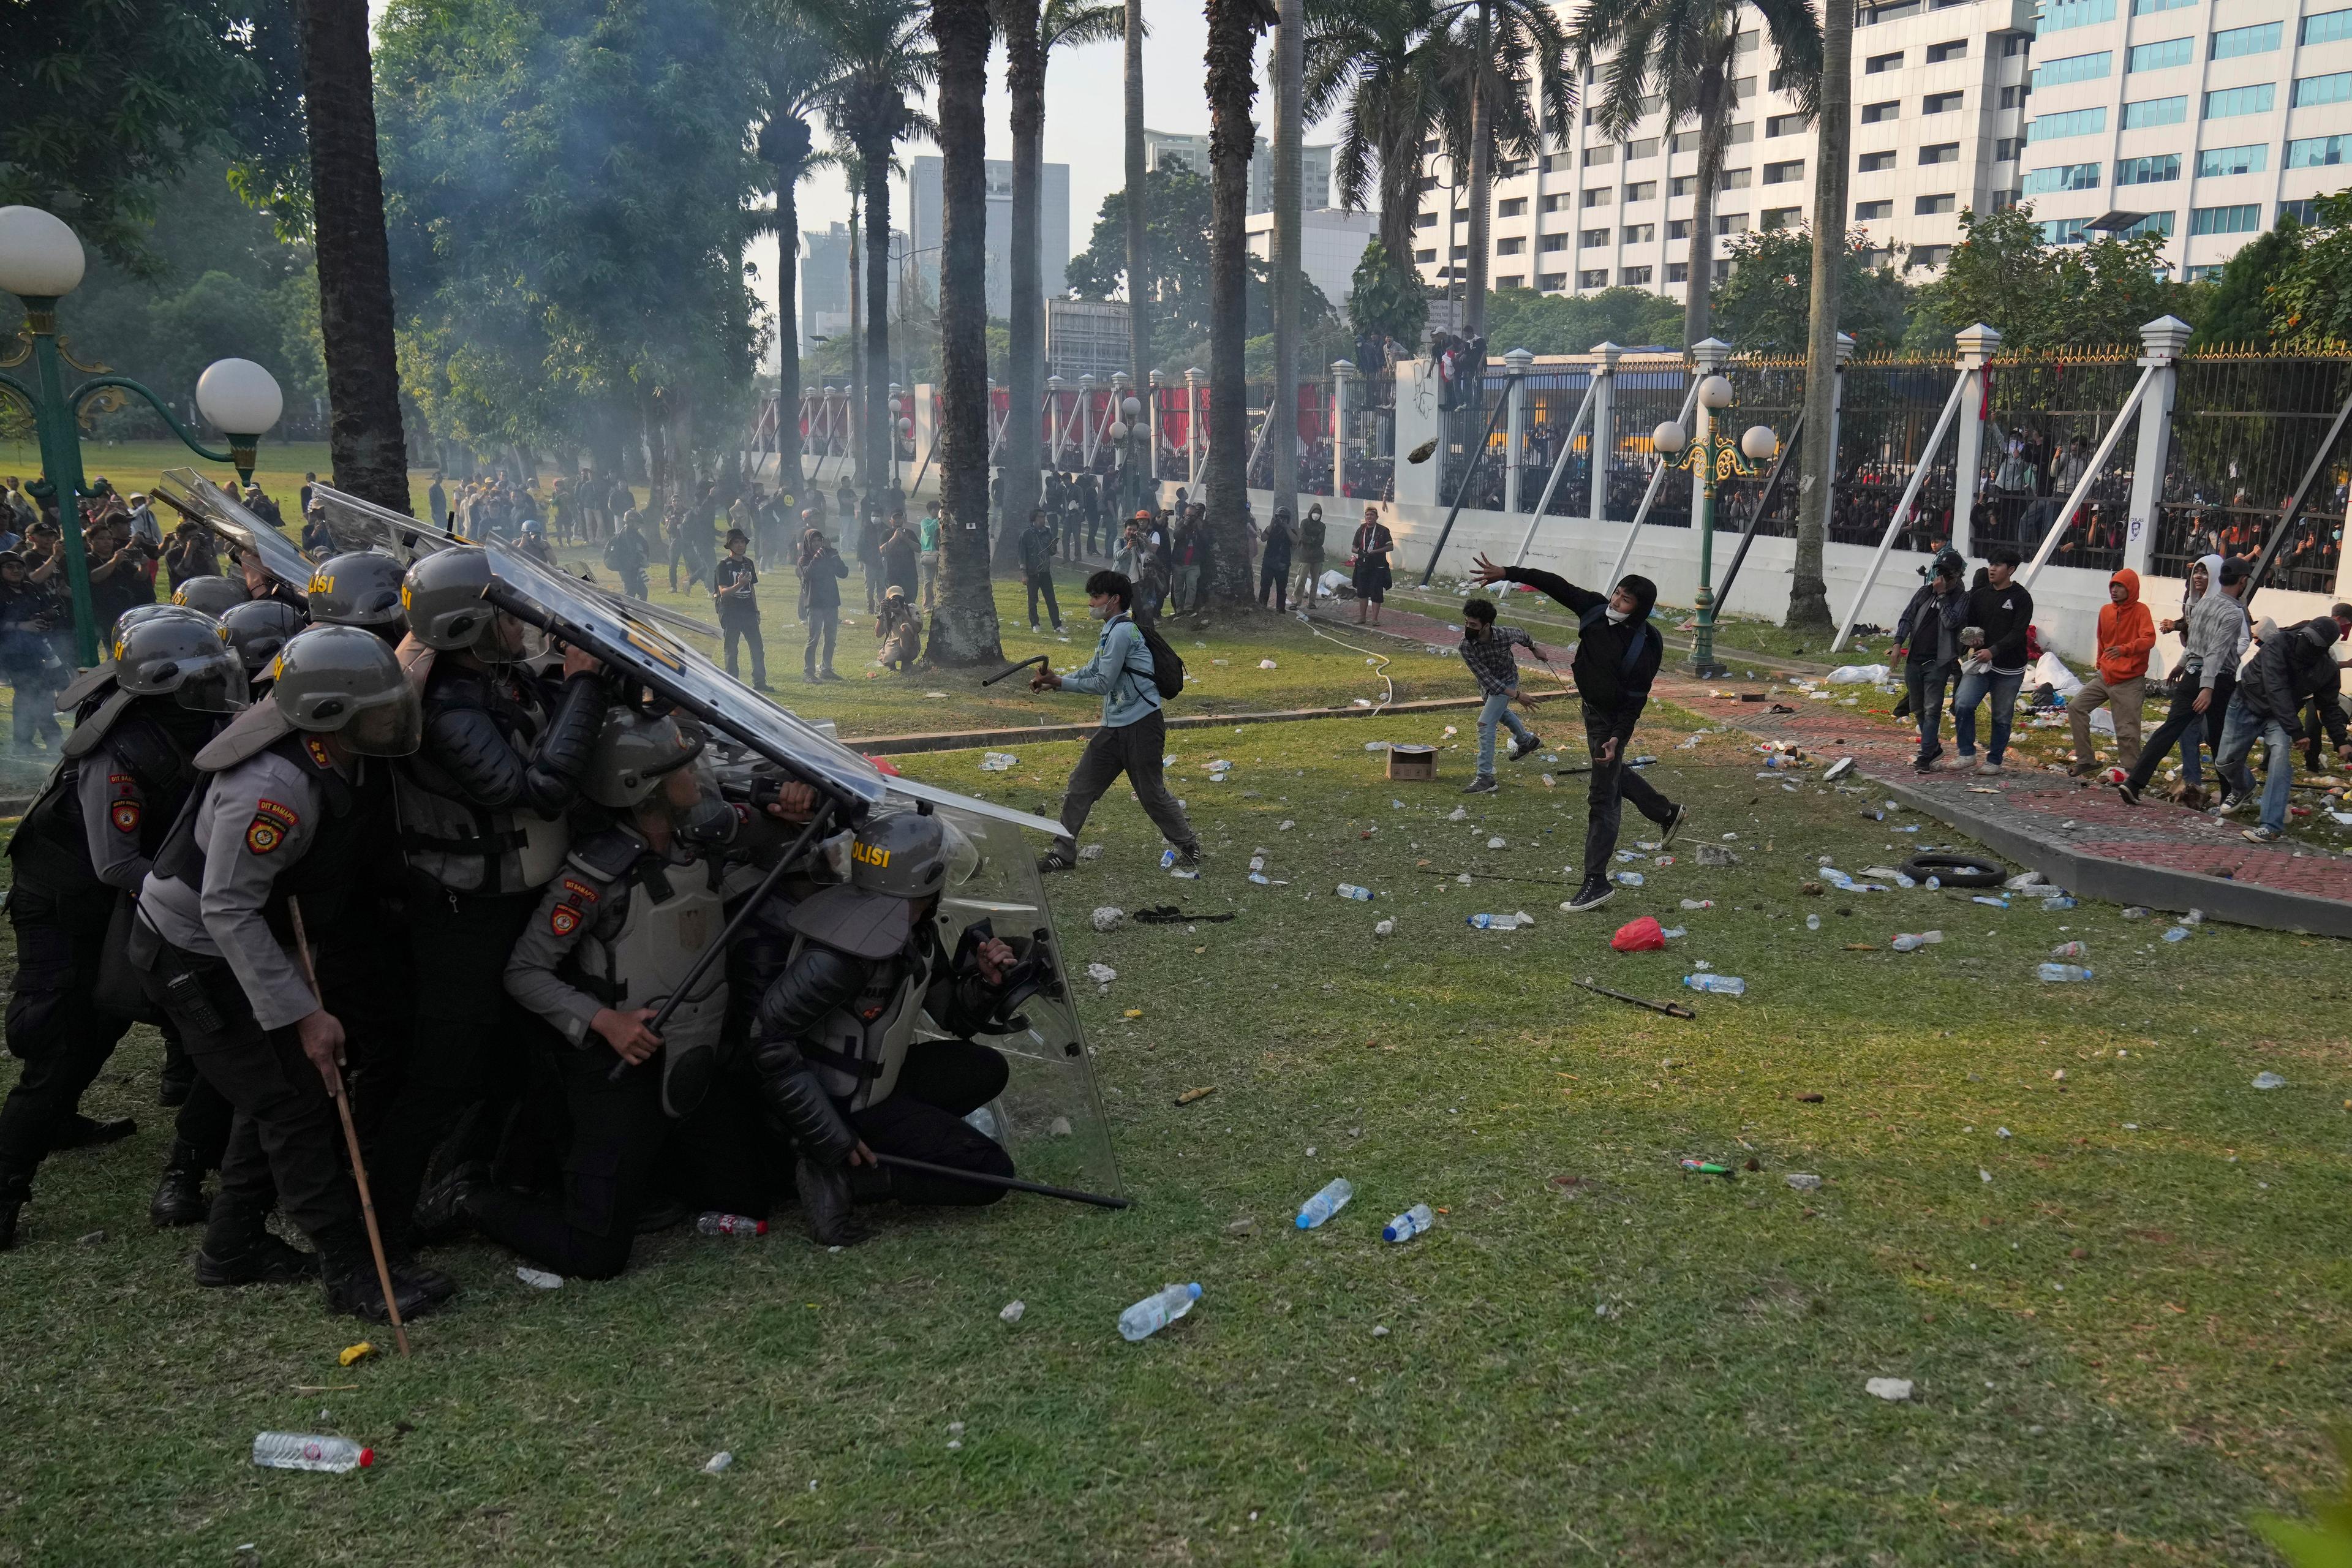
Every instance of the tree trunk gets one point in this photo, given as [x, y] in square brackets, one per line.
[364, 440]
[1138, 292]
[1400, 190]
[1233, 28]
[1482, 181]
[854, 412]
[963, 627]
[1025, 375]
[788, 334]
[1283, 435]
[881, 422]
[1809, 594]
[1713, 135]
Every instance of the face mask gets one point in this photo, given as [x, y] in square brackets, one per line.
[1099, 612]
[1617, 618]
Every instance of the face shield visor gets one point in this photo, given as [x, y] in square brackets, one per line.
[215, 684]
[392, 725]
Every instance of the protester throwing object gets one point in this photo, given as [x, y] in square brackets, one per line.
[1617, 656]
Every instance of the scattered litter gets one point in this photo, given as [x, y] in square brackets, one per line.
[998, 761]
[1721, 985]
[1266, 664]
[1494, 844]
[1058, 1128]
[934, 694]
[1101, 974]
[2193, 917]
[1629, 878]
[301, 1451]
[1109, 918]
[1802, 1182]
[1912, 942]
[1698, 903]
[1709, 1168]
[1464, 879]
[2178, 934]
[1190, 1094]
[1717, 855]
[538, 1278]
[2002, 1132]
[1349, 891]
[1894, 1390]
[1286, 826]
[2028, 882]
[1983, 1174]
[1325, 1204]
[2059, 902]
[1493, 922]
[1183, 876]
[2269, 1081]
[353, 1353]
[2136, 912]
[92, 1238]
[1091, 852]
[717, 1463]
[1384, 928]
[1156, 1311]
[1643, 935]
[1989, 902]
[2062, 974]
[1671, 1009]
[1013, 1311]
[1380, 1330]
[1408, 1224]
[1458, 814]
[1837, 770]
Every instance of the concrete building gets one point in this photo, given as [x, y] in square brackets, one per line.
[1331, 242]
[824, 283]
[1182, 150]
[1957, 105]
[924, 229]
[1087, 337]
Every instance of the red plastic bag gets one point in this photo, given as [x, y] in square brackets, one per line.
[1643, 935]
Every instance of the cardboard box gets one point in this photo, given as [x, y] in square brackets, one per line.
[1413, 764]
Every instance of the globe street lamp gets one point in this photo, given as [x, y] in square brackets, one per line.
[40, 263]
[1676, 450]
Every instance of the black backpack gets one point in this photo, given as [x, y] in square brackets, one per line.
[1167, 667]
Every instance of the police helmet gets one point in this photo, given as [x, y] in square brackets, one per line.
[359, 588]
[258, 628]
[900, 855]
[137, 612]
[182, 656]
[632, 754]
[210, 594]
[443, 596]
[345, 680]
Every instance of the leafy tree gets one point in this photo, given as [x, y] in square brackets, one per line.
[1387, 296]
[1562, 324]
[1373, 62]
[2038, 295]
[1766, 305]
[1176, 231]
[2313, 297]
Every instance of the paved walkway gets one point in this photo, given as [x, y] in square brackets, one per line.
[2080, 836]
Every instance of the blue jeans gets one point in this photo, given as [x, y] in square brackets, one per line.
[1974, 686]
[1927, 682]
[2237, 736]
[1497, 708]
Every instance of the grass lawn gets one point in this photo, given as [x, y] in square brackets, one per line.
[2114, 1272]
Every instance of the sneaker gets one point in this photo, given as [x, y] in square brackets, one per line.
[1989, 766]
[1483, 784]
[1673, 825]
[1189, 855]
[2261, 835]
[2082, 770]
[828, 675]
[1925, 763]
[1054, 860]
[1534, 743]
[2231, 805]
[2130, 794]
[1594, 893]
[1033, 626]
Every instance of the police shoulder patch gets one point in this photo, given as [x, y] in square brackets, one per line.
[284, 816]
[124, 815]
[564, 920]
[579, 889]
[318, 750]
[263, 834]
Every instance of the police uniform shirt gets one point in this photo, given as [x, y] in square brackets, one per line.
[114, 818]
[257, 820]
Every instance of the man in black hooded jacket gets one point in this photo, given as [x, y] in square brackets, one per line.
[1617, 655]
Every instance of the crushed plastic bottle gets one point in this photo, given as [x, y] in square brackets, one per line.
[2136, 912]
[1812, 922]
[2178, 934]
[1493, 922]
[718, 1223]
[2071, 950]
[1989, 902]
[300, 1451]
[2058, 903]
[2061, 973]
[1629, 878]
[1912, 942]
[1325, 1204]
[1349, 891]
[1157, 1310]
[1721, 985]
[1408, 1224]
[1934, 883]
[1167, 858]
[1698, 903]
[1671, 932]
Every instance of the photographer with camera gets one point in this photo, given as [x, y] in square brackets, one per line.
[1929, 632]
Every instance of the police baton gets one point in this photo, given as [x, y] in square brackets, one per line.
[709, 955]
[1010, 1183]
[1040, 661]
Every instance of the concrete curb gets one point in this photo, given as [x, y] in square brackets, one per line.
[965, 740]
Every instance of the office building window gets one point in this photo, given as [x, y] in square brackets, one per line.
[1678, 228]
[1557, 202]
[1602, 154]
[1925, 206]
[2064, 177]
[1681, 184]
[1677, 272]
[2015, 97]
[2074, 67]
[1784, 125]
[1425, 255]
[1872, 163]
[1942, 102]
[1554, 281]
[1642, 190]
[2151, 171]
[2159, 224]
[1735, 180]
[1593, 278]
[1461, 252]
[2303, 212]
[1515, 207]
[1929, 256]
[1552, 242]
[2228, 102]
[2260, 39]
[1730, 222]
[1647, 147]
[1516, 247]
[1957, 49]
[2242, 219]
[1871, 212]
[1600, 197]
[2063, 231]
[2075, 122]
[1592, 236]
[1722, 272]
[1515, 281]
[1425, 220]
[2155, 111]
[1781, 217]
[1940, 152]
[2327, 27]
[1640, 234]
[2066, 14]
[2311, 90]
[2171, 52]
[1878, 63]
[1781, 174]
[2150, 7]
[1633, 277]
[1555, 162]
[2201, 274]
[1873, 113]
[2319, 152]
[2008, 149]
[2217, 161]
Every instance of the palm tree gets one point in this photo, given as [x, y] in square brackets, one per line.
[1808, 592]
[1289, 64]
[1370, 60]
[1233, 29]
[1030, 39]
[1685, 52]
[1139, 248]
[963, 627]
[1497, 43]
[883, 58]
[795, 75]
[365, 441]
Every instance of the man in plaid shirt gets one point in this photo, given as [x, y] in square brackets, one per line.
[1487, 649]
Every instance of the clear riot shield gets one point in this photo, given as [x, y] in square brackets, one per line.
[193, 495]
[1050, 1117]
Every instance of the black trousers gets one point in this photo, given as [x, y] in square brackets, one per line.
[468, 1039]
[745, 628]
[940, 1083]
[286, 1134]
[55, 1025]
[1612, 783]
[1274, 577]
[1043, 582]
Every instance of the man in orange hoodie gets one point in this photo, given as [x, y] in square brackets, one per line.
[2127, 633]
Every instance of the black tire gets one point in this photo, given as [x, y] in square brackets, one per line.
[1957, 870]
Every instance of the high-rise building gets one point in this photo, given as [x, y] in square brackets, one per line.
[1330, 243]
[824, 283]
[2199, 119]
[1181, 149]
[926, 211]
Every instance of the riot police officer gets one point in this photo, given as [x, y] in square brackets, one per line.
[259, 629]
[834, 1036]
[212, 595]
[482, 809]
[89, 839]
[358, 588]
[296, 804]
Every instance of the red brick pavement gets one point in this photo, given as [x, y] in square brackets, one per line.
[2081, 819]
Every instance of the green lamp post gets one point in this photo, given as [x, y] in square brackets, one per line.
[40, 263]
[1714, 459]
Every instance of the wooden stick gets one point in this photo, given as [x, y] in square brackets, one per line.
[351, 1139]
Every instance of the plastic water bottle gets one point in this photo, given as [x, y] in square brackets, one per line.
[1629, 878]
[2058, 973]
[1812, 922]
[1721, 985]
[1349, 891]
[1911, 942]
[1698, 903]
[718, 1223]
[2071, 950]
[2178, 934]
[1408, 1224]
[300, 1451]
[1167, 858]
[1935, 883]
[2060, 901]
[1326, 1204]
[1157, 1310]
[1493, 922]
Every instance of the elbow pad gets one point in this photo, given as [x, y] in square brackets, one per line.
[815, 1124]
[552, 780]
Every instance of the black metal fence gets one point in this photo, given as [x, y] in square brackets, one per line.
[1647, 393]
[2044, 419]
[2244, 431]
[1770, 392]
[1888, 409]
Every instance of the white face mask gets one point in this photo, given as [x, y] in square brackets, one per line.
[1617, 618]
[1099, 612]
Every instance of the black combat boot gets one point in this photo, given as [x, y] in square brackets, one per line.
[179, 1077]
[179, 1191]
[16, 1191]
[828, 1203]
[238, 1249]
[441, 1208]
[81, 1131]
[353, 1287]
